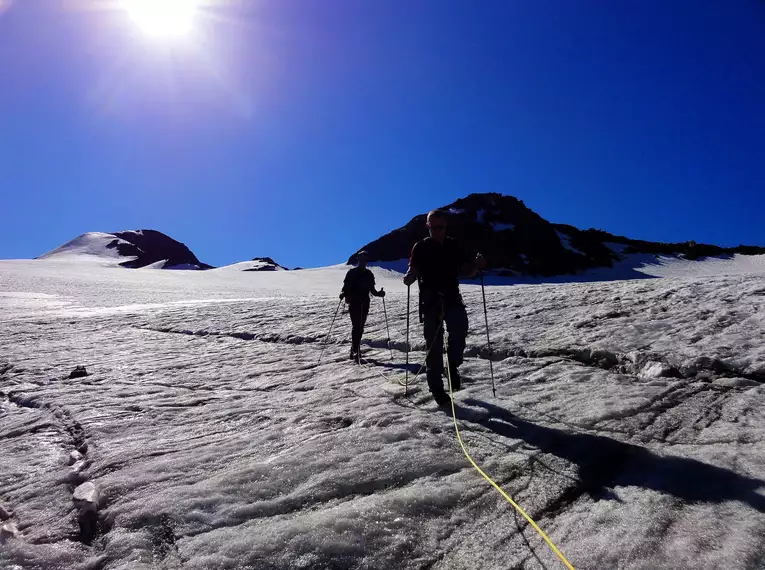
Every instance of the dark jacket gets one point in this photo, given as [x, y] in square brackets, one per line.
[439, 266]
[358, 284]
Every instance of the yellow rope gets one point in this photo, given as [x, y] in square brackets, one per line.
[493, 484]
[509, 499]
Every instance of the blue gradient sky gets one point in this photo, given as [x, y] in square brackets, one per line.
[303, 129]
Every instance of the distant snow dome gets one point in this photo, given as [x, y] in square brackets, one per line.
[90, 246]
[148, 249]
[256, 264]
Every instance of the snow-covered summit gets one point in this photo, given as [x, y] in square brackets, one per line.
[256, 264]
[90, 246]
[131, 248]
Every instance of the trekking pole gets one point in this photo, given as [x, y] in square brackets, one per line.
[329, 333]
[361, 334]
[406, 385]
[488, 340]
[387, 328]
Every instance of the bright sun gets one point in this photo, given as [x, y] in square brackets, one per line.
[163, 17]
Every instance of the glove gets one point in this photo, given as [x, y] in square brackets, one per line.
[342, 296]
[381, 293]
[409, 278]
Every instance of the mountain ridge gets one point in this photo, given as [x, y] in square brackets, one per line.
[516, 240]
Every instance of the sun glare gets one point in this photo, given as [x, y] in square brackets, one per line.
[163, 17]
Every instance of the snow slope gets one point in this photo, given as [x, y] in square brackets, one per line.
[631, 266]
[90, 247]
[628, 421]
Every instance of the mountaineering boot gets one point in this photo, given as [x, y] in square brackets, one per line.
[441, 398]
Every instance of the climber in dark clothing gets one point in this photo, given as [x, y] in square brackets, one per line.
[437, 263]
[358, 284]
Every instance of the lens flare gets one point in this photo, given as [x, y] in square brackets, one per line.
[163, 17]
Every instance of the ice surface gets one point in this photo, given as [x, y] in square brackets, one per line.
[628, 421]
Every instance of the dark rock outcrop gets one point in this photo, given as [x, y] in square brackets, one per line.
[78, 372]
[151, 246]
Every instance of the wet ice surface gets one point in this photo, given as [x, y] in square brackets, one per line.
[628, 422]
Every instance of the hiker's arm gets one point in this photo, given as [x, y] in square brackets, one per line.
[375, 292]
[412, 273]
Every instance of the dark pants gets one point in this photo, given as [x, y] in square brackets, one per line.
[456, 322]
[359, 311]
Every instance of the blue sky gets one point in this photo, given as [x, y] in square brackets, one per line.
[304, 129]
